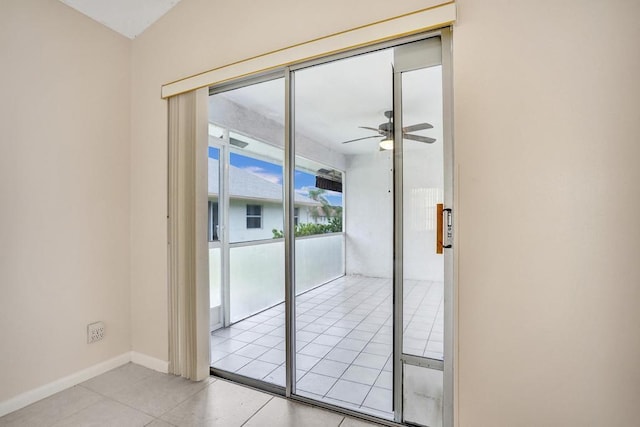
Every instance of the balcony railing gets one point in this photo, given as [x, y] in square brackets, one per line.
[256, 274]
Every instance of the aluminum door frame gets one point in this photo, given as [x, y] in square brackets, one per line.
[449, 284]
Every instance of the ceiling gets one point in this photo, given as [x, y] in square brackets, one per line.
[127, 17]
[333, 100]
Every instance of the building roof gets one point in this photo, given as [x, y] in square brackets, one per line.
[246, 185]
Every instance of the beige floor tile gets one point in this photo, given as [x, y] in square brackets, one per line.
[118, 379]
[159, 423]
[52, 409]
[220, 404]
[106, 413]
[159, 393]
[280, 412]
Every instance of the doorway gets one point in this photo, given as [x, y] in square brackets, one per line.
[329, 278]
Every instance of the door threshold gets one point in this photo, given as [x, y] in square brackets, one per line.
[279, 391]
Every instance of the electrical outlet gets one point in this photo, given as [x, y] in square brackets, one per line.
[95, 332]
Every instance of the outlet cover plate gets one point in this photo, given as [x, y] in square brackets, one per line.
[95, 332]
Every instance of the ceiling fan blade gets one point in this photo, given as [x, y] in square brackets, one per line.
[419, 126]
[369, 128]
[359, 139]
[419, 138]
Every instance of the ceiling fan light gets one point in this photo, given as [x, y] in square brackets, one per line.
[386, 144]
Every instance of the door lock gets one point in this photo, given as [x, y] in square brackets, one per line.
[448, 232]
[444, 228]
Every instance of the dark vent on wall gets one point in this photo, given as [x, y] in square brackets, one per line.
[238, 143]
[328, 184]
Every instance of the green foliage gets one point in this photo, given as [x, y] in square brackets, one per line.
[335, 223]
[309, 229]
[334, 213]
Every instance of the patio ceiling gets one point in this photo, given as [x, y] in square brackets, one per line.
[333, 100]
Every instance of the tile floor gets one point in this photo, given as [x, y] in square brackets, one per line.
[344, 341]
[135, 396]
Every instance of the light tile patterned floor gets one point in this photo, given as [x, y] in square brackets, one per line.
[344, 341]
[132, 396]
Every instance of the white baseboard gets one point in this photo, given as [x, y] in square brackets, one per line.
[150, 362]
[32, 396]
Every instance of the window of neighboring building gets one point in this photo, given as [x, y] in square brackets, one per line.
[296, 215]
[254, 216]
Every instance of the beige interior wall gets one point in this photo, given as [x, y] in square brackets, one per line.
[64, 191]
[546, 125]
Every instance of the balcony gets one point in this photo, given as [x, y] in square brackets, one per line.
[343, 323]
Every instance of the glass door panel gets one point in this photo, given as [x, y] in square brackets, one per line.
[344, 237]
[256, 220]
[213, 234]
[248, 122]
[423, 188]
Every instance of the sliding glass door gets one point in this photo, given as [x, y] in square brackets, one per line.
[330, 232]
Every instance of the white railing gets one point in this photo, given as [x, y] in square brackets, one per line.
[256, 272]
[319, 259]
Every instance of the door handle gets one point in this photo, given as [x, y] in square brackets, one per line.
[444, 228]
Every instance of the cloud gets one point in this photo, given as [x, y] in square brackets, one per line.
[264, 174]
[327, 193]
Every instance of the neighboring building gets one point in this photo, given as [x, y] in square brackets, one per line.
[255, 206]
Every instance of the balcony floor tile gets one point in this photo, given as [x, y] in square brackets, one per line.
[344, 341]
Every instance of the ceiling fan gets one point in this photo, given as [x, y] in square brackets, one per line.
[385, 130]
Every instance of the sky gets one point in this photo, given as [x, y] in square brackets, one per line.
[303, 181]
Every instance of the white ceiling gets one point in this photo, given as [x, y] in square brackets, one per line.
[127, 17]
[334, 99]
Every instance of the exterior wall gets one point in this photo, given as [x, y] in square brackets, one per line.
[369, 215]
[64, 185]
[304, 215]
[272, 218]
[546, 125]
